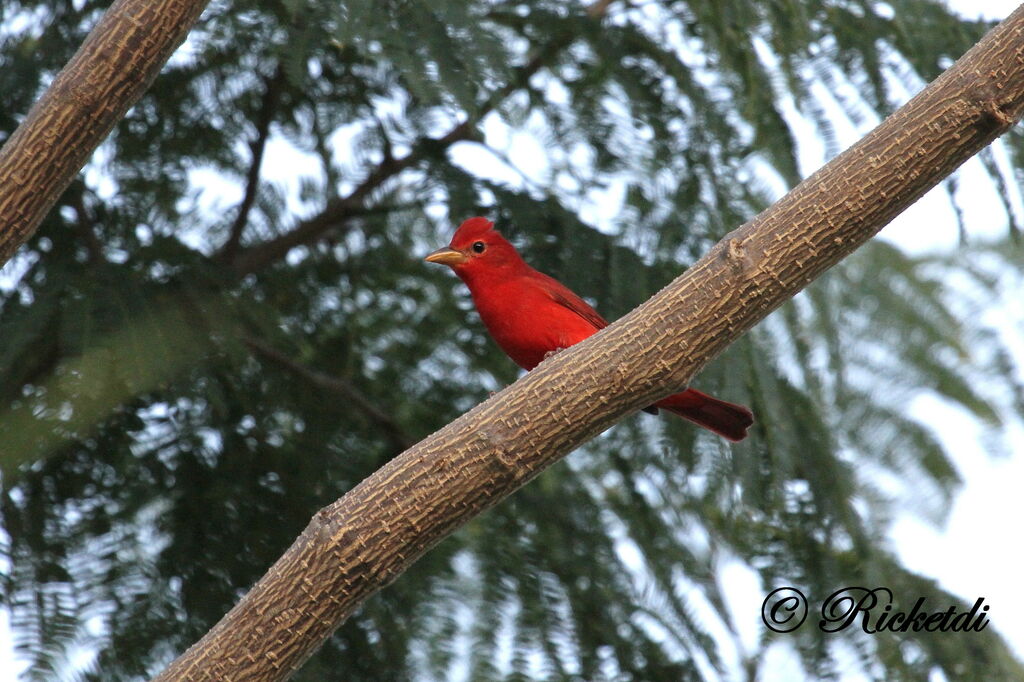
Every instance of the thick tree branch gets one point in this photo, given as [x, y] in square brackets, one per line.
[338, 386]
[365, 540]
[116, 63]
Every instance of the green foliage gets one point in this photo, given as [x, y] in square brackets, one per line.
[174, 406]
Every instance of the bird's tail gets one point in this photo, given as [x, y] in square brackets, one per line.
[726, 419]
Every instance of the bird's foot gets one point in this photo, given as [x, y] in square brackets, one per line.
[552, 353]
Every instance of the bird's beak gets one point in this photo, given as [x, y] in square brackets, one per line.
[447, 256]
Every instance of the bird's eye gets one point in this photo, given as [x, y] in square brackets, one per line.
[479, 247]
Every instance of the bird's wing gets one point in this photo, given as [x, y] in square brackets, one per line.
[564, 297]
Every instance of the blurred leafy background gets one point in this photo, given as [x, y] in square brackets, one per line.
[226, 323]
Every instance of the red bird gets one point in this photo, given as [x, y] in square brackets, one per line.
[531, 315]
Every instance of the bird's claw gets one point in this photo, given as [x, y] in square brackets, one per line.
[551, 353]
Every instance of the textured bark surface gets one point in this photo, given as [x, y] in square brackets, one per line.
[108, 74]
[366, 539]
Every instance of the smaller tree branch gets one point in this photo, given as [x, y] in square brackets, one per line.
[320, 138]
[85, 224]
[392, 429]
[264, 117]
[341, 209]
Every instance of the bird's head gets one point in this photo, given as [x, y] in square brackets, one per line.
[477, 247]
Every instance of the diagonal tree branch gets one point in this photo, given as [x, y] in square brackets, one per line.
[268, 104]
[392, 429]
[365, 540]
[116, 63]
[85, 223]
[342, 209]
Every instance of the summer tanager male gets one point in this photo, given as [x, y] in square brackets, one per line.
[532, 315]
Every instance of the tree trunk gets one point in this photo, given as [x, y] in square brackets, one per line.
[366, 539]
[108, 74]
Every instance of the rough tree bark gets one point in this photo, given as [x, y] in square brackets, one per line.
[366, 539]
[115, 65]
